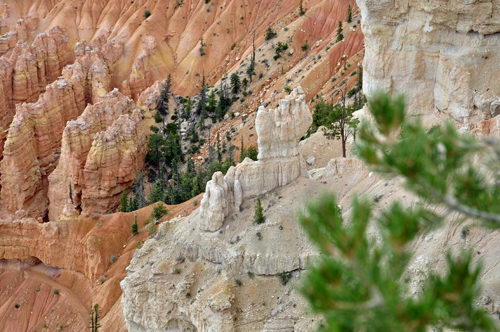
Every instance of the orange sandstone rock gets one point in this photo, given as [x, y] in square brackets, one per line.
[33, 143]
[76, 144]
[112, 163]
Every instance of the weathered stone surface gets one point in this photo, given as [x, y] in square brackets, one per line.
[440, 54]
[76, 144]
[112, 163]
[279, 161]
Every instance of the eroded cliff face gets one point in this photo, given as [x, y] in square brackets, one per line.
[33, 142]
[442, 54]
[26, 73]
[77, 141]
[112, 163]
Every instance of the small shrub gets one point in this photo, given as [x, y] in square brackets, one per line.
[135, 226]
[259, 236]
[302, 10]
[95, 217]
[233, 46]
[195, 202]
[87, 215]
[56, 291]
[251, 275]
[238, 282]
[17, 305]
[147, 13]
[159, 211]
[270, 34]
[188, 294]
[177, 271]
[288, 89]
[305, 46]
[352, 92]
[44, 325]
[37, 289]
[113, 259]
[285, 277]
[158, 117]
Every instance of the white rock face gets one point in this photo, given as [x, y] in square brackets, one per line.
[279, 161]
[443, 54]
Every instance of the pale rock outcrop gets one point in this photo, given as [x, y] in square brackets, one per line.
[33, 143]
[76, 144]
[442, 54]
[112, 162]
[279, 161]
[185, 279]
[337, 166]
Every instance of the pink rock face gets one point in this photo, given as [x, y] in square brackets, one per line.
[33, 143]
[18, 32]
[28, 71]
[112, 163]
[76, 144]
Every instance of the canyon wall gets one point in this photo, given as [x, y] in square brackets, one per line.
[33, 142]
[26, 73]
[442, 54]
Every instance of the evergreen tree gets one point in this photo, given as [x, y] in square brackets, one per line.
[235, 83]
[202, 103]
[156, 193]
[219, 153]
[258, 217]
[340, 36]
[251, 70]
[252, 153]
[187, 109]
[140, 200]
[242, 150]
[156, 145]
[164, 97]
[135, 226]
[359, 282]
[212, 102]
[95, 314]
[124, 202]
[338, 121]
[359, 81]
[301, 9]
[349, 14]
